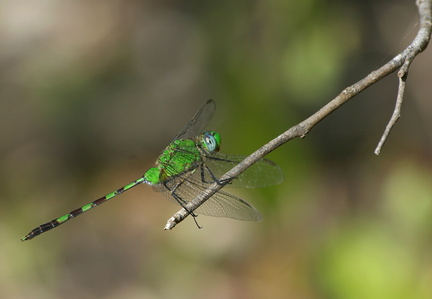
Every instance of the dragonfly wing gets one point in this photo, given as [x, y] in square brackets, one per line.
[262, 173]
[222, 204]
[198, 122]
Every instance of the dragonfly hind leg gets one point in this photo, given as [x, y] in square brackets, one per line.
[182, 203]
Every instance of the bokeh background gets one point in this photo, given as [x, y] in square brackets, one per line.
[92, 91]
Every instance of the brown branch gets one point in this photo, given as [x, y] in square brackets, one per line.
[402, 60]
[395, 116]
[418, 45]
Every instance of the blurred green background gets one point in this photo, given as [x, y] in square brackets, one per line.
[92, 91]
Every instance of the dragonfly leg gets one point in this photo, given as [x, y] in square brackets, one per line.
[204, 168]
[196, 222]
[181, 202]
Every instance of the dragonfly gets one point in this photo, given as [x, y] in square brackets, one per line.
[185, 168]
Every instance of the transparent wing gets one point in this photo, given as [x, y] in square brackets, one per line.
[262, 173]
[198, 122]
[188, 185]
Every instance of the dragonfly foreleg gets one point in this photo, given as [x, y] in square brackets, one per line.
[204, 168]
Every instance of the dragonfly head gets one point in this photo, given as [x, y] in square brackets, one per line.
[210, 141]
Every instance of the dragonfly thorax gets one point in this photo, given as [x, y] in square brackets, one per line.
[182, 155]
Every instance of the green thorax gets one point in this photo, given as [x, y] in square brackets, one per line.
[182, 155]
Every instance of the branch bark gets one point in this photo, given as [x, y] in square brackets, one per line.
[402, 61]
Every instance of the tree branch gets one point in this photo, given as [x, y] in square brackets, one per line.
[417, 46]
[402, 60]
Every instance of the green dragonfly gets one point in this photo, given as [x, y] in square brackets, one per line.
[186, 167]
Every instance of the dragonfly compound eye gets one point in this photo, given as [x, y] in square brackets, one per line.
[212, 141]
